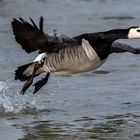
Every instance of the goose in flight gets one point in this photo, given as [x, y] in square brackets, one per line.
[60, 54]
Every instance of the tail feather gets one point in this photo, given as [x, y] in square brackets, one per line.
[19, 73]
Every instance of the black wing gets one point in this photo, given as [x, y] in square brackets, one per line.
[32, 38]
[29, 36]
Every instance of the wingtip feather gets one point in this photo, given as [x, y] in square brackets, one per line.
[41, 23]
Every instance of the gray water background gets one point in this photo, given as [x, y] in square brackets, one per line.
[104, 105]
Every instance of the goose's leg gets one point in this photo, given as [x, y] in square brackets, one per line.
[30, 80]
[122, 47]
[39, 84]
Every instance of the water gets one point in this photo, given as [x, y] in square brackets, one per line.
[103, 105]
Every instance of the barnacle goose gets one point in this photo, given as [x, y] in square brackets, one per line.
[60, 54]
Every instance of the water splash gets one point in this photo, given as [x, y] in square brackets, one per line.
[11, 102]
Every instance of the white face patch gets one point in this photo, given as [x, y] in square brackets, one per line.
[134, 33]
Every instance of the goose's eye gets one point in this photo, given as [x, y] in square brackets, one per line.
[138, 30]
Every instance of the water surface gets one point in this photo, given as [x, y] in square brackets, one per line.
[103, 105]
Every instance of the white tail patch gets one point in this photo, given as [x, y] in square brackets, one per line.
[29, 70]
[40, 57]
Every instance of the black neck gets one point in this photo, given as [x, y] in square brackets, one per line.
[113, 35]
[102, 41]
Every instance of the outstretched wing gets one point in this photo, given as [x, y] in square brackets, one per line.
[32, 38]
[118, 47]
[29, 36]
